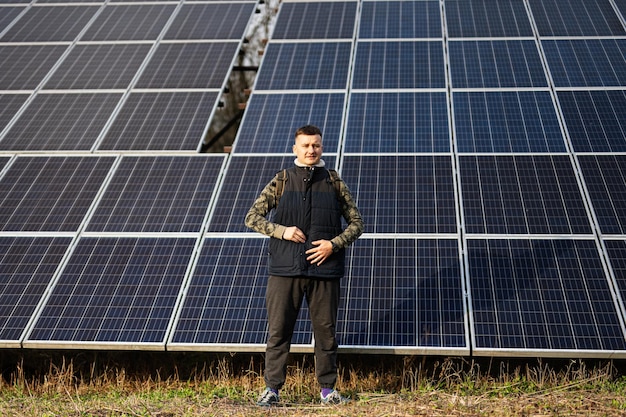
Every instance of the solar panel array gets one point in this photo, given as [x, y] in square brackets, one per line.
[484, 142]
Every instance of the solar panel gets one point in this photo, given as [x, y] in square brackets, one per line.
[27, 265]
[403, 194]
[49, 193]
[576, 18]
[114, 292]
[399, 64]
[484, 18]
[400, 19]
[271, 119]
[305, 66]
[129, 22]
[99, 67]
[509, 121]
[594, 119]
[210, 21]
[605, 177]
[403, 294]
[157, 194]
[522, 195]
[397, 122]
[162, 120]
[309, 20]
[53, 122]
[586, 62]
[23, 67]
[530, 296]
[225, 302]
[188, 65]
[50, 24]
[496, 63]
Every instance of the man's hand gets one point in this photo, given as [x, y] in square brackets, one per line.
[321, 250]
[294, 234]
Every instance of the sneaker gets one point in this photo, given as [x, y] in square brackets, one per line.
[334, 398]
[268, 398]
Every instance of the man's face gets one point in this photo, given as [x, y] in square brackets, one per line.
[308, 149]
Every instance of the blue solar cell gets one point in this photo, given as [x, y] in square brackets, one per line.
[403, 293]
[595, 119]
[271, 120]
[505, 63]
[23, 67]
[576, 18]
[157, 194]
[50, 193]
[485, 18]
[99, 67]
[400, 19]
[161, 121]
[27, 265]
[399, 64]
[188, 65]
[586, 62]
[523, 121]
[305, 66]
[243, 182]
[540, 295]
[50, 24]
[605, 177]
[403, 194]
[326, 20]
[54, 122]
[129, 22]
[522, 195]
[210, 21]
[116, 290]
[397, 122]
[225, 301]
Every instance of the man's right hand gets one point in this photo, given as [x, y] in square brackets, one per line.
[294, 234]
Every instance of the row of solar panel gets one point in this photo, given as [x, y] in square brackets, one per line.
[379, 19]
[463, 18]
[533, 194]
[124, 22]
[155, 91]
[405, 122]
[422, 64]
[526, 296]
[319, 65]
[418, 122]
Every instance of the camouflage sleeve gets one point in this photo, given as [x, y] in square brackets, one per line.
[256, 217]
[351, 213]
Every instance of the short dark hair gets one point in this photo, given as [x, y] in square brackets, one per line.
[308, 130]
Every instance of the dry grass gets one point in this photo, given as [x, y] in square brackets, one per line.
[164, 385]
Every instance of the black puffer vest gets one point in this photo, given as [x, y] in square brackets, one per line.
[309, 202]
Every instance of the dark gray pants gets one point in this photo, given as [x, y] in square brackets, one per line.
[283, 300]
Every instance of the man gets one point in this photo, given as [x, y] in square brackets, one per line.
[306, 259]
